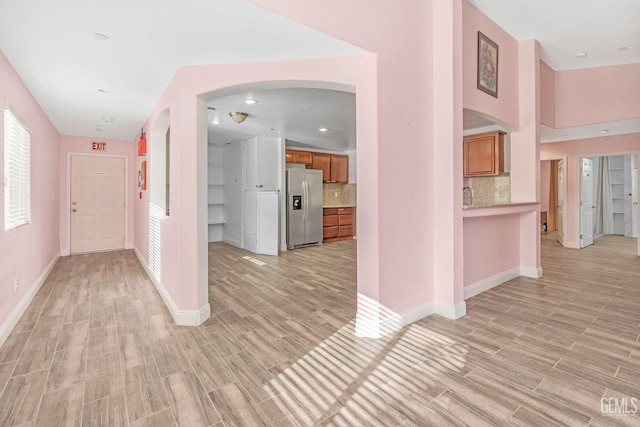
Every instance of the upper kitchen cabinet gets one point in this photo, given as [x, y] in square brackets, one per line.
[334, 167]
[302, 157]
[262, 163]
[484, 154]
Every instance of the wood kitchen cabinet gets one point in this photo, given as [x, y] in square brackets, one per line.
[334, 167]
[295, 156]
[484, 154]
[338, 224]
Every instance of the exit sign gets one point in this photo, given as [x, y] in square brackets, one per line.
[99, 146]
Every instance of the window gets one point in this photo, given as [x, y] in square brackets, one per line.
[17, 172]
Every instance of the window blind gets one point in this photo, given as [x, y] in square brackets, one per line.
[17, 172]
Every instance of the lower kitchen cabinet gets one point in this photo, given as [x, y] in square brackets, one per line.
[338, 224]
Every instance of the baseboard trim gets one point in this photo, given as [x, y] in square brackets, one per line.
[572, 245]
[450, 311]
[533, 272]
[491, 282]
[128, 245]
[18, 311]
[181, 317]
[232, 242]
[376, 321]
[65, 252]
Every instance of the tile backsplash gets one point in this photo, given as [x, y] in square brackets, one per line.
[489, 189]
[338, 195]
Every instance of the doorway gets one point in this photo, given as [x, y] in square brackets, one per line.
[552, 197]
[97, 209]
[610, 198]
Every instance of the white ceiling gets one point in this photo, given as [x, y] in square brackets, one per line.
[295, 114]
[566, 27]
[51, 44]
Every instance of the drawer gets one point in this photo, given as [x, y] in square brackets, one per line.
[329, 232]
[345, 219]
[330, 211]
[346, 211]
[329, 220]
[345, 230]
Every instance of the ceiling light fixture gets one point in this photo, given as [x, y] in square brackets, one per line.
[101, 37]
[323, 130]
[102, 91]
[603, 131]
[250, 101]
[107, 119]
[216, 122]
[582, 54]
[238, 116]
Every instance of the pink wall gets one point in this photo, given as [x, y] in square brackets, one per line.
[505, 107]
[608, 145]
[547, 95]
[82, 145]
[595, 95]
[490, 246]
[26, 251]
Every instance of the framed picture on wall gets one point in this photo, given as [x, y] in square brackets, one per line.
[487, 65]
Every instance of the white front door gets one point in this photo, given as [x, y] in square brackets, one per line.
[586, 202]
[560, 205]
[97, 204]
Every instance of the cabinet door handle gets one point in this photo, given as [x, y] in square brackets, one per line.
[259, 186]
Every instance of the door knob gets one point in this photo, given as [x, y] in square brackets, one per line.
[74, 210]
[74, 203]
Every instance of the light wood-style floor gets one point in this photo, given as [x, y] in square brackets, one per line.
[97, 347]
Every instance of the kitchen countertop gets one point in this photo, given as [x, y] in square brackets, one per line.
[494, 209]
[339, 206]
[497, 205]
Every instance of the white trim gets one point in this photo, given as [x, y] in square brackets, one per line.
[571, 245]
[232, 242]
[128, 245]
[533, 272]
[18, 311]
[451, 311]
[181, 317]
[67, 250]
[375, 321]
[490, 282]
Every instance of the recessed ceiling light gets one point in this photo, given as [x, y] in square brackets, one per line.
[216, 122]
[101, 37]
[322, 129]
[250, 101]
[102, 91]
[603, 131]
[107, 119]
[582, 54]
[623, 48]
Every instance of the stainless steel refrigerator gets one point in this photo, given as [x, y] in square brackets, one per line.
[304, 207]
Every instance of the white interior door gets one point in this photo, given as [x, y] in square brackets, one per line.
[560, 205]
[97, 203]
[586, 202]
